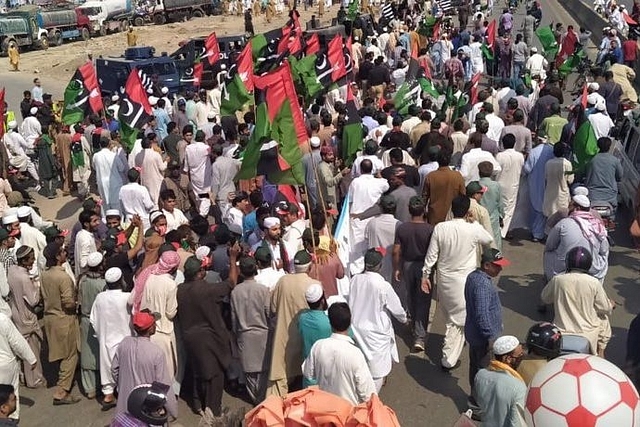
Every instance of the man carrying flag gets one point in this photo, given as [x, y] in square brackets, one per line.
[82, 95]
[134, 111]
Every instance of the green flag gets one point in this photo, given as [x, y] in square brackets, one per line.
[585, 146]
[72, 112]
[428, 87]
[548, 42]
[570, 63]
[487, 52]
[352, 131]
[234, 96]
[304, 72]
[354, 6]
[408, 94]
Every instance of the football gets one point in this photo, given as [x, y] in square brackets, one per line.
[581, 390]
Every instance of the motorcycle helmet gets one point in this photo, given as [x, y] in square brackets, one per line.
[146, 403]
[544, 339]
[579, 258]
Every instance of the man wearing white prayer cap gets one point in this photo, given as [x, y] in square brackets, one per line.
[31, 130]
[110, 320]
[16, 145]
[113, 218]
[29, 235]
[313, 323]
[168, 105]
[600, 120]
[499, 389]
[115, 106]
[273, 241]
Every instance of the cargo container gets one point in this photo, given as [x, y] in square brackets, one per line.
[22, 32]
[62, 21]
[175, 10]
[107, 16]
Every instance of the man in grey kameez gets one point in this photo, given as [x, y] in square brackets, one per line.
[250, 312]
[381, 231]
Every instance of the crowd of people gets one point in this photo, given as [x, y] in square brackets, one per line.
[178, 280]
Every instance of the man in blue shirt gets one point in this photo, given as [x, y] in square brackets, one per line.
[483, 323]
[313, 323]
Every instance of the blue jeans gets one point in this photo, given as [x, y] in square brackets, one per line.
[517, 68]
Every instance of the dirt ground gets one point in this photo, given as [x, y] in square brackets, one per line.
[61, 61]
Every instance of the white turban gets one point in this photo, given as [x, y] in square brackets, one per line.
[270, 221]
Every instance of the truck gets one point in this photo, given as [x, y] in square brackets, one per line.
[21, 32]
[61, 21]
[106, 16]
[162, 11]
[113, 71]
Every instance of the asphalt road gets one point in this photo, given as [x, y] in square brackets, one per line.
[419, 392]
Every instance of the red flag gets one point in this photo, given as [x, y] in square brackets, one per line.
[567, 48]
[2, 113]
[313, 44]
[198, 68]
[491, 33]
[425, 66]
[336, 58]
[291, 37]
[473, 91]
[436, 31]
[583, 99]
[628, 19]
[134, 105]
[212, 49]
[90, 81]
[245, 67]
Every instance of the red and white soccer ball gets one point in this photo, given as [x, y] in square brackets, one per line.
[582, 390]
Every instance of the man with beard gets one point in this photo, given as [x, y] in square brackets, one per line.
[500, 389]
[205, 336]
[85, 241]
[272, 240]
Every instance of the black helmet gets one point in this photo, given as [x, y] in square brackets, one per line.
[579, 258]
[146, 403]
[544, 339]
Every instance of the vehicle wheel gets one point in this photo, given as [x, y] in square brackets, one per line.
[159, 19]
[44, 43]
[6, 45]
[56, 40]
[103, 30]
[85, 34]
[124, 25]
[197, 13]
[138, 21]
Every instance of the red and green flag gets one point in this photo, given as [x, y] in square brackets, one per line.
[585, 146]
[238, 83]
[134, 111]
[548, 42]
[488, 46]
[352, 130]
[82, 96]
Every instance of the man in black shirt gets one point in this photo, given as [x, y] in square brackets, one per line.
[432, 139]
[25, 104]
[379, 77]
[363, 72]
[412, 178]
[116, 254]
[395, 137]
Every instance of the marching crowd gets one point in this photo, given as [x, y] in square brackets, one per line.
[179, 280]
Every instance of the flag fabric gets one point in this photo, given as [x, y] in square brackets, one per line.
[245, 67]
[585, 146]
[291, 39]
[82, 96]
[198, 69]
[388, 12]
[335, 56]
[145, 81]
[234, 93]
[487, 52]
[212, 49]
[548, 42]
[491, 34]
[570, 63]
[275, 147]
[427, 25]
[352, 130]
[428, 87]
[305, 72]
[135, 110]
[346, 53]
[312, 44]
[2, 113]
[628, 19]
[354, 7]
[473, 89]
[567, 47]
[408, 94]
[583, 97]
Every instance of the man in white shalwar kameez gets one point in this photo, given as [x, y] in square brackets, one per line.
[111, 320]
[31, 129]
[16, 147]
[198, 165]
[110, 169]
[152, 166]
[558, 174]
[364, 192]
[511, 162]
[373, 301]
[135, 199]
[454, 246]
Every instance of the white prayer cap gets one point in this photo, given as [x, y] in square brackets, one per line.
[594, 86]
[24, 211]
[115, 97]
[112, 212]
[12, 124]
[534, 49]
[314, 141]
[9, 219]
[314, 293]
[235, 228]
[202, 252]
[33, 110]
[153, 100]
[592, 98]
[505, 344]
[581, 191]
[154, 215]
[94, 259]
[581, 200]
[270, 221]
[164, 90]
[601, 106]
[211, 115]
[112, 275]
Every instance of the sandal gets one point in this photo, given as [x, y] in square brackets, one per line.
[109, 405]
[67, 400]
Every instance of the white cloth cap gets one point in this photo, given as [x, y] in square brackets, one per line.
[270, 221]
[314, 293]
[155, 214]
[24, 211]
[592, 98]
[202, 252]
[534, 49]
[581, 200]
[115, 97]
[581, 191]
[164, 90]
[314, 141]
[601, 106]
[153, 100]
[211, 115]
[94, 259]
[594, 86]
[112, 275]
[12, 124]
[33, 110]
[505, 344]
[112, 212]
[9, 219]
[235, 228]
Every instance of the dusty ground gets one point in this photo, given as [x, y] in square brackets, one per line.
[60, 62]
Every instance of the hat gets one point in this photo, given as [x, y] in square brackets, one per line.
[112, 212]
[592, 98]
[211, 115]
[4, 234]
[601, 106]
[181, 101]
[247, 262]
[325, 150]
[314, 293]
[387, 202]
[263, 255]
[9, 219]
[314, 141]
[373, 257]
[494, 256]
[143, 320]
[12, 124]
[191, 266]
[270, 221]
[153, 100]
[155, 215]
[594, 86]
[505, 344]
[202, 252]
[33, 110]
[53, 232]
[582, 201]
[24, 211]
[302, 258]
[581, 191]
[282, 207]
[94, 259]
[89, 204]
[112, 275]
[534, 49]
[475, 187]
[23, 251]
[164, 90]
